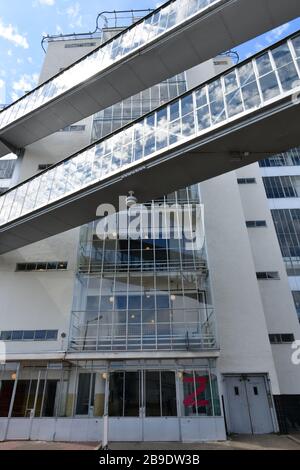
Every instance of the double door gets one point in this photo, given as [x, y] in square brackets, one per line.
[249, 405]
[143, 406]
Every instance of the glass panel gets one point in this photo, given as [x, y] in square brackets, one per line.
[83, 394]
[129, 40]
[152, 385]
[24, 399]
[264, 65]
[116, 394]
[132, 390]
[165, 127]
[168, 393]
[50, 395]
[289, 77]
[269, 86]
[234, 103]
[296, 44]
[6, 389]
[189, 397]
[282, 55]
[251, 96]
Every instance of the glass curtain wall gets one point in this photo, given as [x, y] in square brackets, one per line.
[141, 294]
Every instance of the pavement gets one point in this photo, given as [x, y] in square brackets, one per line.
[241, 442]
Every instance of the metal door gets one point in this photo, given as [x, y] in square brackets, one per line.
[248, 405]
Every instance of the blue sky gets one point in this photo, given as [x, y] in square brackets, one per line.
[24, 22]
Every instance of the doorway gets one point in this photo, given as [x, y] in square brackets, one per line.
[141, 403]
[248, 405]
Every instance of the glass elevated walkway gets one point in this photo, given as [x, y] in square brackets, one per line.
[176, 36]
[235, 119]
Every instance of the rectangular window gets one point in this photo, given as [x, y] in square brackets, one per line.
[80, 44]
[281, 338]
[85, 394]
[7, 168]
[287, 225]
[29, 335]
[296, 297]
[290, 158]
[74, 128]
[246, 180]
[256, 223]
[269, 275]
[43, 266]
[282, 186]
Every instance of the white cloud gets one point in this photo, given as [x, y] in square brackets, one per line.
[9, 52]
[30, 60]
[25, 83]
[73, 10]
[73, 13]
[10, 33]
[48, 3]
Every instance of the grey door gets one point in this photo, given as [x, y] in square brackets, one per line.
[248, 405]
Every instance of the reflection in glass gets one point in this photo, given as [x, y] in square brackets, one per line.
[136, 36]
[193, 114]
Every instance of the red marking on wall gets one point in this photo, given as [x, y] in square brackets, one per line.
[191, 400]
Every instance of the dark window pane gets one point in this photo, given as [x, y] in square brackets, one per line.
[153, 394]
[83, 394]
[6, 335]
[6, 389]
[28, 335]
[40, 335]
[132, 388]
[17, 335]
[49, 400]
[41, 266]
[116, 398]
[51, 334]
[168, 393]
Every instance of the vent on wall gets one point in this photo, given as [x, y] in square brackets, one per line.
[281, 338]
[80, 44]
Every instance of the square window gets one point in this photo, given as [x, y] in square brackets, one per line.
[51, 335]
[28, 335]
[17, 335]
[6, 335]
